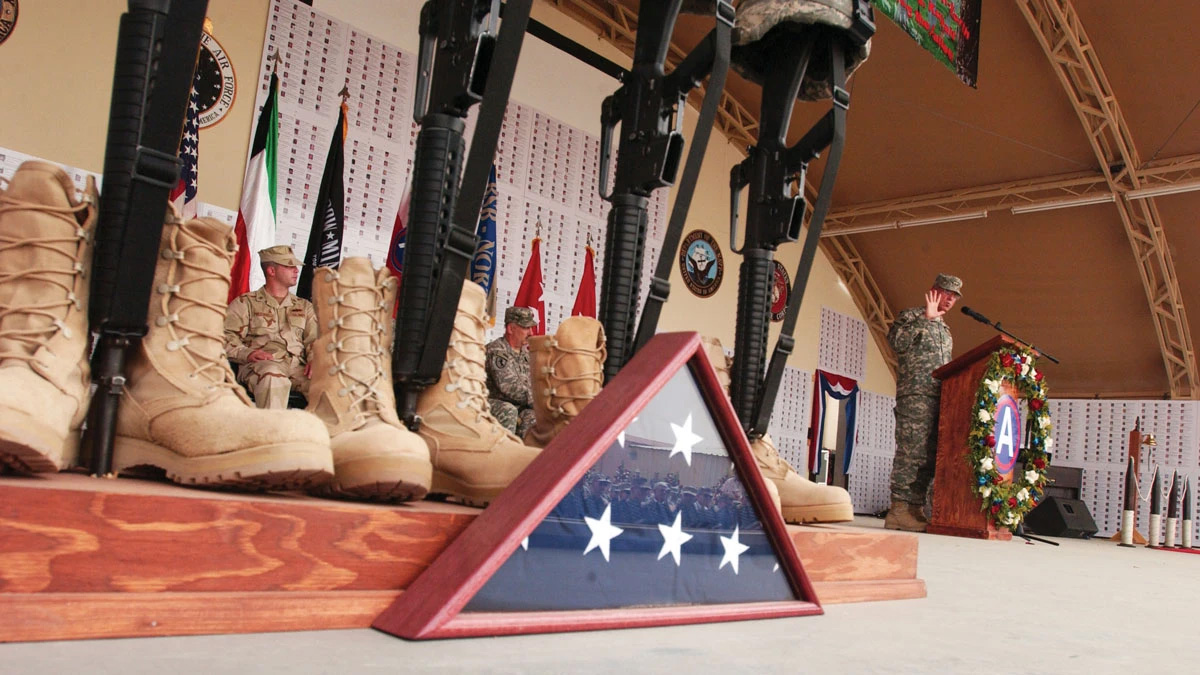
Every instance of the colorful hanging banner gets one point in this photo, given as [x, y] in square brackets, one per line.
[948, 29]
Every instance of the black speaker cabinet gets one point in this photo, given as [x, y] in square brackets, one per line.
[1059, 517]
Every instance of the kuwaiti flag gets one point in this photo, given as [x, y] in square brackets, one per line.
[256, 214]
[530, 292]
[329, 218]
[585, 299]
[483, 264]
[183, 195]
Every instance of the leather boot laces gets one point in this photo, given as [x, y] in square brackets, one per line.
[557, 401]
[363, 390]
[22, 344]
[183, 273]
[772, 461]
[468, 373]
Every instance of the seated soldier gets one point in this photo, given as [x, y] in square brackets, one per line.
[268, 332]
[510, 390]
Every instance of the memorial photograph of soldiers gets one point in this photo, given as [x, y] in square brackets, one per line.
[816, 335]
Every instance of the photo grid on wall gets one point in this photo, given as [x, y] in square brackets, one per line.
[547, 171]
[843, 347]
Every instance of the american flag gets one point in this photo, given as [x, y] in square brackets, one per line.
[183, 195]
[617, 540]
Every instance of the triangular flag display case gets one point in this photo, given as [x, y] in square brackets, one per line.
[551, 555]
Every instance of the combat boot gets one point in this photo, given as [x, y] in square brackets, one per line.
[45, 256]
[474, 456]
[182, 411]
[374, 456]
[901, 516]
[799, 499]
[567, 371]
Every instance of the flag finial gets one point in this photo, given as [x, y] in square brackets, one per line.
[537, 229]
[345, 92]
[277, 58]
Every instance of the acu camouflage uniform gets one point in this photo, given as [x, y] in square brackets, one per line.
[921, 345]
[510, 391]
[256, 320]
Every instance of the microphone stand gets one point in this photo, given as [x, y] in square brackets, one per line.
[984, 320]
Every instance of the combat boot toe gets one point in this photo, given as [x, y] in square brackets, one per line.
[900, 517]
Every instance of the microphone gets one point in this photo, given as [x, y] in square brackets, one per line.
[976, 315]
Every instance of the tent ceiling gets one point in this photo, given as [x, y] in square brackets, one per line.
[1067, 279]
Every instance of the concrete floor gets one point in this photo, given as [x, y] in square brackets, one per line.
[996, 607]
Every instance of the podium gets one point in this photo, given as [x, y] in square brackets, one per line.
[956, 506]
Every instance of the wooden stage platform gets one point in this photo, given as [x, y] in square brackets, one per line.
[91, 558]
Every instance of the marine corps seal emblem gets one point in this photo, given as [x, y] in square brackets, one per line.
[8, 18]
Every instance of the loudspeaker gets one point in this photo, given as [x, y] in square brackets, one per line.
[1059, 517]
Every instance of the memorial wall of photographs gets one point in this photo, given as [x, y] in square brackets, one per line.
[547, 171]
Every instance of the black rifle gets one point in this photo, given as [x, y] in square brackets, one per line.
[463, 60]
[775, 174]
[649, 106]
[156, 59]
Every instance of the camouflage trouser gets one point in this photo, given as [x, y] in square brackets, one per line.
[516, 420]
[916, 447]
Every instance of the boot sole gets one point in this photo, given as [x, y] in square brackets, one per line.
[820, 513]
[282, 466]
[27, 446]
[379, 479]
[463, 493]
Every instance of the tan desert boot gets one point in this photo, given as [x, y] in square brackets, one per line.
[374, 456]
[568, 371]
[800, 500]
[903, 516]
[45, 256]
[182, 411]
[474, 456]
[720, 362]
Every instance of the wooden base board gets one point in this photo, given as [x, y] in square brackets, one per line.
[92, 558]
[990, 533]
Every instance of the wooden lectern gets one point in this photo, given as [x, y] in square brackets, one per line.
[956, 506]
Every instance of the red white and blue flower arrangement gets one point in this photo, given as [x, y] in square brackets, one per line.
[1008, 503]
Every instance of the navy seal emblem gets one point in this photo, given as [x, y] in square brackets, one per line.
[700, 263]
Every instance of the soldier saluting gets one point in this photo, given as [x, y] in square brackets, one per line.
[922, 342]
[268, 332]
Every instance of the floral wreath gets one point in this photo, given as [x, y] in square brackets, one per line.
[1007, 503]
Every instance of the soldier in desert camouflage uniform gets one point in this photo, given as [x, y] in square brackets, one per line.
[509, 388]
[268, 332]
[922, 342]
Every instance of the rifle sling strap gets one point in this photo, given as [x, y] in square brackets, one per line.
[786, 341]
[461, 239]
[660, 285]
[156, 168]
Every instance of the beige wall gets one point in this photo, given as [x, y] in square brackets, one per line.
[58, 68]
